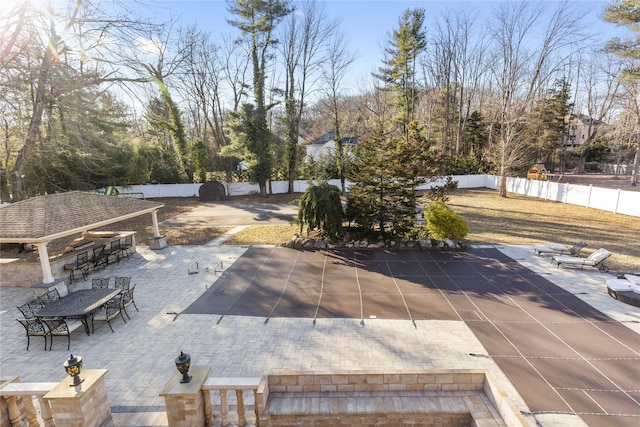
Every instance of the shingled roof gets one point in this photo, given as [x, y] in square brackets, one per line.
[44, 218]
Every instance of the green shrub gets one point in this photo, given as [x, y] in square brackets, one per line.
[321, 208]
[443, 223]
[418, 232]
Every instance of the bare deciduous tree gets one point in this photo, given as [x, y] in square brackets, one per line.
[600, 89]
[522, 67]
[81, 43]
[339, 59]
[303, 45]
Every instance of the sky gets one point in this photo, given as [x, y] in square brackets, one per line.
[366, 23]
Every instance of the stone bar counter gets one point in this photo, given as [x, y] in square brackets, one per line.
[26, 272]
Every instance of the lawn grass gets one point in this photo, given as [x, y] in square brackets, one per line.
[517, 220]
[264, 235]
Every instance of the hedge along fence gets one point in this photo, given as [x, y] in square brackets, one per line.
[611, 200]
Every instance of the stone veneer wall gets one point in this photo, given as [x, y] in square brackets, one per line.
[437, 384]
[183, 411]
[85, 405]
[377, 420]
[21, 273]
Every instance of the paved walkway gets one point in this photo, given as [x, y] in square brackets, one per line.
[140, 354]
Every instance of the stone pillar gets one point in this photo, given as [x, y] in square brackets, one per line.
[157, 242]
[185, 401]
[84, 405]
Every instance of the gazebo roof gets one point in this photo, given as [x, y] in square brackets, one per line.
[45, 218]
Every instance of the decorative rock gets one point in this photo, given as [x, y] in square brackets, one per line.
[424, 243]
[450, 243]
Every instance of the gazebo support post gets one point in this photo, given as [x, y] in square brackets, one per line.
[156, 228]
[158, 241]
[43, 253]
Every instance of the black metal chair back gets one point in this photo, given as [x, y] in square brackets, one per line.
[30, 309]
[110, 310]
[81, 264]
[34, 327]
[127, 300]
[123, 283]
[100, 283]
[47, 297]
[99, 258]
[59, 327]
[126, 245]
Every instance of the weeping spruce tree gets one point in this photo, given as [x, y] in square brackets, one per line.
[321, 209]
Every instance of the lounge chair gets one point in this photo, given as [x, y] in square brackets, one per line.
[633, 278]
[556, 249]
[596, 260]
[625, 288]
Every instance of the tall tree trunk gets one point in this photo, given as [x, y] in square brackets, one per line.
[339, 149]
[503, 174]
[5, 194]
[25, 153]
[636, 165]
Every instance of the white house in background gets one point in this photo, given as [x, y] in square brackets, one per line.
[325, 144]
[242, 166]
[579, 127]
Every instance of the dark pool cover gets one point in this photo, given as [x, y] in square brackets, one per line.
[561, 354]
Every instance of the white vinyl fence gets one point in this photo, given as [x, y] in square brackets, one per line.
[606, 199]
[611, 200]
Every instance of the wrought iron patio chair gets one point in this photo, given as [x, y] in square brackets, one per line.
[49, 296]
[110, 310]
[125, 246]
[123, 283]
[113, 250]
[127, 300]
[34, 328]
[100, 283]
[61, 327]
[30, 309]
[81, 264]
[98, 259]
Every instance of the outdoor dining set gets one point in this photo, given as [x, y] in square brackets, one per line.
[99, 256]
[51, 314]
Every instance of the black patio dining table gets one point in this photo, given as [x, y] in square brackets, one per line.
[78, 305]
